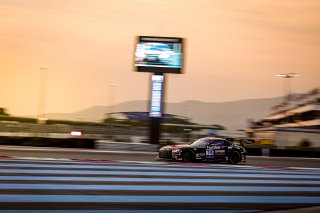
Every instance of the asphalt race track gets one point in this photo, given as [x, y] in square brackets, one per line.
[85, 154]
[35, 185]
[54, 180]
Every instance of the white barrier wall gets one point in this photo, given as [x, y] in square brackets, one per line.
[289, 138]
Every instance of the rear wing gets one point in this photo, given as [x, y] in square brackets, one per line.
[241, 140]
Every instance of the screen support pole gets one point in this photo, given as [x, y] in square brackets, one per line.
[155, 130]
[155, 113]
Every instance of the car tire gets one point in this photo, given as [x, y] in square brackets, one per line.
[188, 157]
[234, 157]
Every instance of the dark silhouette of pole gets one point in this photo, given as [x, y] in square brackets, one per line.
[42, 95]
[287, 84]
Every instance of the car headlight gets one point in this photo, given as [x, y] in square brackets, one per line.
[176, 151]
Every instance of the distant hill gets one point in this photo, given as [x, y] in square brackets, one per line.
[232, 115]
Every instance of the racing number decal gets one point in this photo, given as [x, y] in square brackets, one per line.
[210, 152]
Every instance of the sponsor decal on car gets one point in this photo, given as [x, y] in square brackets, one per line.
[219, 152]
[200, 155]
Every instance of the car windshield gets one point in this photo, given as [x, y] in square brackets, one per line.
[200, 142]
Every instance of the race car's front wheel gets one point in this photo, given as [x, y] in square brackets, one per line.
[234, 157]
[188, 156]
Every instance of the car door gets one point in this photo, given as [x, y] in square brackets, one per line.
[210, 150]
[216, 150]
[220, 150]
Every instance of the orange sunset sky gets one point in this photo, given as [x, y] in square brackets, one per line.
[234, 49]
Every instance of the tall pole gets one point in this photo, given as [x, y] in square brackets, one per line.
[112, 101]
[156, 106]
[42, 95]
[287, 84]
[112, 96]
[287, 91]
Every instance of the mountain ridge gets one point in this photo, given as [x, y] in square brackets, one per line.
[231, 114]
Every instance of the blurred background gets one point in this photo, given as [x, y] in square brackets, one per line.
[250, 70]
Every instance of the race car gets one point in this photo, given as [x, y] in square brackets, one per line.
[207, 149]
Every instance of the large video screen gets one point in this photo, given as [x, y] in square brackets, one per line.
[159, 54]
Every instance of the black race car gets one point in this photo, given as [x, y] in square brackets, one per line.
[207, 149]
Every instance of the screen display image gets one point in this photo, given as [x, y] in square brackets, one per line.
[158, 54]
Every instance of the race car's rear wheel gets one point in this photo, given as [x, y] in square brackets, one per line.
[188, 156]
[234, 157]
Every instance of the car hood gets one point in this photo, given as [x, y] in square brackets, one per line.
[172, 147]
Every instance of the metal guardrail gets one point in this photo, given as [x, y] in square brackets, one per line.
[98, 142]
[48, 135]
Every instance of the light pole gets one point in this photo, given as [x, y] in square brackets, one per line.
[111, 100]
[287, 84]
[287, 90]
[112, 96]
[42, 95]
